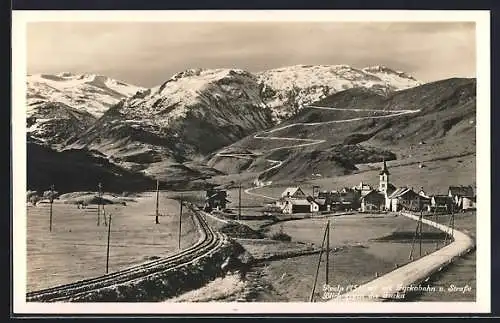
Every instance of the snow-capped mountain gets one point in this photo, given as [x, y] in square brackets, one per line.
[192, 114]
[63, 105]
[205, 93]
[53, 122]
[85, 92]
[286, 89]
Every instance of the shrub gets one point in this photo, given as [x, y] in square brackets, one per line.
[281, 236]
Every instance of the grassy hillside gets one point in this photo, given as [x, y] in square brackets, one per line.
[445, 125]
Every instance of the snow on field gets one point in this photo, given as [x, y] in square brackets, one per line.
[76, 247]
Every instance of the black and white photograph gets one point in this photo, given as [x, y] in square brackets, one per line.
[209, 162]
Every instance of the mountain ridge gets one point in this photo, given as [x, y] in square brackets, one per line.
[442, 123]
[157, 131]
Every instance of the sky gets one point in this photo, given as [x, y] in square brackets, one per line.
[149, 53]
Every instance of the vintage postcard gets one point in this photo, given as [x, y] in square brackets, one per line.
[251, 162]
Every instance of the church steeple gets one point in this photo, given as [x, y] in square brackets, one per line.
[384, 178]
[384, 169]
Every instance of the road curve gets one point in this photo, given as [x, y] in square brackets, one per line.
[395, 284]
[306, 142]
[392, 284]
[209, 241]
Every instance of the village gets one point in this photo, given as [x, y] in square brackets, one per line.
[385, 197]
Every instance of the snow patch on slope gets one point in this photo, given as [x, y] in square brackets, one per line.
[192, 89]
[85, 92]
[282, 88]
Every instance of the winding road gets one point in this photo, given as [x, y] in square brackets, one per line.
[388, 286]
[307, 142]
[210, 240]
[401, 281]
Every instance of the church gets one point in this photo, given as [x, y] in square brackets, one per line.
[389, 198]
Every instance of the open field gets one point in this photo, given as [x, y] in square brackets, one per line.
[355, 257]
[76, 247]
[359, 257]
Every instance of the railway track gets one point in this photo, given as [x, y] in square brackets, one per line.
[209, 241]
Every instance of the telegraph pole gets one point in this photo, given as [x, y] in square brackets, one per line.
[107, 251]
[311, 298]
[157, 200]
[414, 236]
[104, 214]
[99, 187]
[51, 200]
[436, 219]
[239, 202]
[327, 250]
[180, 224]
[420, 219]
[450, 223]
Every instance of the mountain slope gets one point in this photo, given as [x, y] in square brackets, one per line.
[193, 113]
[85, 92]
[164, 131]
[286, 89]
[64, 105]
[55, 122]
[444, 126]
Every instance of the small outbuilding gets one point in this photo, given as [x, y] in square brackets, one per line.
[300, 206]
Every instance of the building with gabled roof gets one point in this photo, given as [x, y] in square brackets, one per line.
[323, 204]
[362, 187]
[373, 201]
[293, 192]
[405, 198]
[460, 191]
[304, 205]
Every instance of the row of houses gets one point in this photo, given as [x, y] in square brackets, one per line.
[362, 197]
[386, 197]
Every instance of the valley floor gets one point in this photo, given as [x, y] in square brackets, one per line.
[76, 247]
[356, 258]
